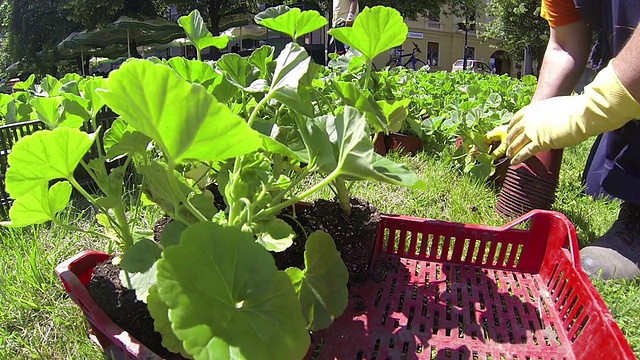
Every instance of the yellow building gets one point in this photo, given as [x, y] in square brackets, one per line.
[442, 43]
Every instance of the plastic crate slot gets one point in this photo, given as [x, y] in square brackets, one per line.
[579, 330]
[573, 317]
[504, 303]
[405, 351]
[518, 318]
[385, 240]
[438, 273]
[496, 254]
[425, 305]
[392, 342]
[385, 314]
[496, 318]
[401, 302]
[556, 336]
[459, 297]
[360, 355]
[563, 302]
[419, 245]
[434, 352]
[478, 277]
[450, 246]
[419, 349]
[469, 288]
[376, 303]
[414, 294]
[436, 319]
[476, 250]
[392, 289]
[401, 240]
[565, 314]
[533, 333]
[507, 256]
[410, 319]
[440, 246]
[476, 356]
[516, 260]
[376, 348]
[460, 326]
[481, 300]
[405, 279]
[556, 283]
[429, 246]
[417, 272]
[553, 275]
[464, 251]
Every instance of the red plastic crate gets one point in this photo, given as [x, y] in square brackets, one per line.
[442, 290]
[456, 291]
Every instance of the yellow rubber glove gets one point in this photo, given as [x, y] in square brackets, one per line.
[562, 121]
[497, 135]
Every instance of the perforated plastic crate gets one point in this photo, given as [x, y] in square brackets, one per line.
[441, 290]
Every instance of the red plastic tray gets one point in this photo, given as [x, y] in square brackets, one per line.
[442, 290]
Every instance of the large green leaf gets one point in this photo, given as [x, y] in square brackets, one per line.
[120, 139]
[158, 188]
[291, 65]
[75, 111]
[363, 101]
[48, 110]
[39, 205]
[226, 298]
[89, 88]
[262, 58]
[140, 256]
[293, 22]
[43, 156]
[238, 70]
[374, 31]
[356, 158]
[194, 71]
[275, 235]
[197, 32]
[50, 85]
[395, 113]
[322, 285]
[160, 313]
[316, 138]
[184, 119]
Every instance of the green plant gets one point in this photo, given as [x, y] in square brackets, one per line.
[245, 124]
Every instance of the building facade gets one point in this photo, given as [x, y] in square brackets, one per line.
[442, 43]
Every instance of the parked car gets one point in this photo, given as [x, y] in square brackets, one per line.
[472, 65]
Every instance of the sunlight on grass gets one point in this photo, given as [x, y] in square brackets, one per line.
[38, 320]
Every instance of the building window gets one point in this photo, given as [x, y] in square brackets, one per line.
[433, 49]
[434, 16]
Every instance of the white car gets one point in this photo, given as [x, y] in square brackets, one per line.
[472, 65]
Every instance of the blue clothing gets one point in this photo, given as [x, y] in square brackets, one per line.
[613, 167]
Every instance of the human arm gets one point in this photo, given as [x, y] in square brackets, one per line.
[608, 103]
[564, 60]
[353, 10]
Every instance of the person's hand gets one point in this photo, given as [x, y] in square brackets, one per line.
[497, 135]
[350, 18]
[562, 121]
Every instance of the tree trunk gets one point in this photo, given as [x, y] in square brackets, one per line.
[214, 16]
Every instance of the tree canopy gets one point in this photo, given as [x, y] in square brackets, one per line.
[517, 24]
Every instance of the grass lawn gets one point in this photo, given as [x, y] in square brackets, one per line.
[38, 320]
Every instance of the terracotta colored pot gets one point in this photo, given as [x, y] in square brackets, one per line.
[404, 144]
[379, 145]
[530, 185]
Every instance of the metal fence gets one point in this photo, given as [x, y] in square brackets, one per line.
[10, 134]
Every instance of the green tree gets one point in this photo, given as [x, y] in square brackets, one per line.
[95, 13]
[33, 26]
[517, 25]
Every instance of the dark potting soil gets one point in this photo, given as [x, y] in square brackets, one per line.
[122, 307]
[354, 235]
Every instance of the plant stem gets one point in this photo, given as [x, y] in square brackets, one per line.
[367, 75]
[295, 182]
[276, 208]
[75, 228]
[259, 106]
[343, 195]
[183, 198]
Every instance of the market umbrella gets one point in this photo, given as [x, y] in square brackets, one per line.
[126, 30]
[75, 45]
[250, 31]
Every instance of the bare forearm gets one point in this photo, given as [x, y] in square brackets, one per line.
[353, 7]
[627, 66]
[564, 61]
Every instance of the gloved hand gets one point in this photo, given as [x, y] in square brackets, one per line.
[562, 121]
[497, 135]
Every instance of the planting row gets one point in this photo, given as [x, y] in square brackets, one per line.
[221, 148]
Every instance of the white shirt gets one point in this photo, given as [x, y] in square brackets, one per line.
[341, 11]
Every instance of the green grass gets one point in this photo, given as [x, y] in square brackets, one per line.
[37, 319]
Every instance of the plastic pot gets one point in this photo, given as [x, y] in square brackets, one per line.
[404, 144]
